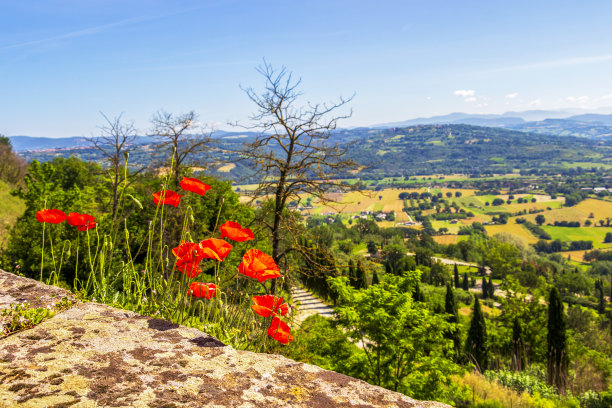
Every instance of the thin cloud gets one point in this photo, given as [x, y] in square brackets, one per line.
[535, 102]
[77, 34]
[93, 30]
[577, 99]
[464, 93]
[470, 99]
[512, 95]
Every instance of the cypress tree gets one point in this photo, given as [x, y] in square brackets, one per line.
[450, 307]
[351, 272]
[556, 374]
[491, 288]
[360, 273]
[601, 307]
[465, 283]
[417, 295]
[517, 345]
[456, 271]
[476, 343]
[485, 288]
[375, 280]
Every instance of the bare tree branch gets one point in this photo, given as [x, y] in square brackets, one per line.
[115, 141]
[183, 135]
[293, 155]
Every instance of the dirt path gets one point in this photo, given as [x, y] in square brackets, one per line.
[308, 305]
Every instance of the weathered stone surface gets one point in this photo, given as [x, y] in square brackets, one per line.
[92, 355]
[15, 289]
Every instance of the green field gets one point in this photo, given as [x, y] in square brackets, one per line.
[580, 234]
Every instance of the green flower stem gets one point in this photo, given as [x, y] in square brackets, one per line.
[42, 253]
[76, 268]
[52, 258]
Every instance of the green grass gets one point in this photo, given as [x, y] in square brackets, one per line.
[586, 165]
[11, 208]
[580, 234]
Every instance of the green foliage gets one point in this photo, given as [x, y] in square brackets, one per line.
[522, 381]
[67, 184]
[318, 341]
[403, 344]
[12, 167]
[11, 208]
[503, 258]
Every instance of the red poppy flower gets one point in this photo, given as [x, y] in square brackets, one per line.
[171, 198]
[189, 250]
[201, 290]
[267, 305]
[52, 216]
[215, 248]
[234, 231]
[83, 222]
[255, 264]
[279, 331]
[194, 185]
[189, 255]
[284, 309]
[189, 267]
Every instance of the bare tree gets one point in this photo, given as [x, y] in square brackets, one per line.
[114, 143]
[182, 134]
[293, 154]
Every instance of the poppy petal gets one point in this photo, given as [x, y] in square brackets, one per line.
[194, 185]
[279, 331]
[256, 264]
[235, 232]
[203, 290]
[51, 216]
[169, 197]
[83, 222]
[215, 248]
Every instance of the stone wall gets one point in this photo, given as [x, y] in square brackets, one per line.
[93, 355]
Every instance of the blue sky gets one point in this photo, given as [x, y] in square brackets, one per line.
[62, 62]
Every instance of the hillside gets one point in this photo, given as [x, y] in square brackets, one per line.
[447, 149]
[10, 209]
[414, 150]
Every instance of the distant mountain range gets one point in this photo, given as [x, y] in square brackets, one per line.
[559, 123]
[29, 143]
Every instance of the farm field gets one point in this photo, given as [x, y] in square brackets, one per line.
[387, 200]
[580, 212]
[514, 229]
[577, 256]
[595, 234]
[448, 239]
